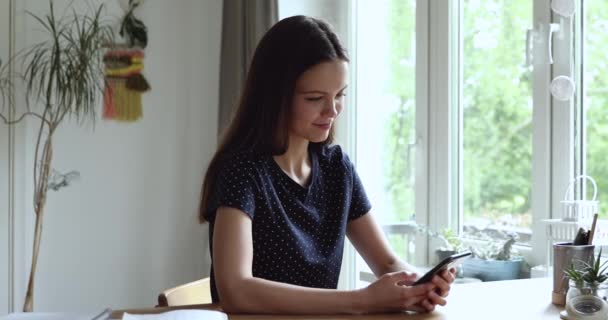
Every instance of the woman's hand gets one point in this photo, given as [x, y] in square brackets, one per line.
[389, 294]
[442, 283]
[444, 280]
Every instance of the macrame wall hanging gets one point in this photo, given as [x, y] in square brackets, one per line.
[123, 71]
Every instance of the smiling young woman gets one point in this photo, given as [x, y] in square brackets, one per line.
[280, 199]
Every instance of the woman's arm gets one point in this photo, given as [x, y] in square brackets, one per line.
[240, 292]
[368, 239]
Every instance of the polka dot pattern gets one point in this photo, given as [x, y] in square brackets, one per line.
[298, 231]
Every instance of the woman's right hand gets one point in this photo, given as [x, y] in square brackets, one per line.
[388, 294]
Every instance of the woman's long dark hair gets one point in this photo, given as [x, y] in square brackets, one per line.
[261, 122]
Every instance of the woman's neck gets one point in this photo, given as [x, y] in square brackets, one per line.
[295, 162]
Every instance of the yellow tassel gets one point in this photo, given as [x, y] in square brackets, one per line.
[127, 71]
[128, 104]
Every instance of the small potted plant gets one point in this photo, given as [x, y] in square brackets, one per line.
[493, 262]
[452, 244]
[450, 241]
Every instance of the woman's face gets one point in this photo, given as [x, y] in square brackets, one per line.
[318, 100]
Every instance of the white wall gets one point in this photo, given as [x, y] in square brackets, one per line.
[4, 227]
[128, 228]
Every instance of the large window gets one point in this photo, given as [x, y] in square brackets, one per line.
[386, 114]
[594, 82]
[456, 125]
[497, 115]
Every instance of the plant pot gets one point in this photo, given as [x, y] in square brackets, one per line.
[442, 254]
[587, 301]
[492, 270]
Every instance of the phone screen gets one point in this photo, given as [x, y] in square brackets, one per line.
[443, 265]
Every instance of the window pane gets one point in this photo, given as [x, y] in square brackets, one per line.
[386, 113]
[497, 115]
[596, 100]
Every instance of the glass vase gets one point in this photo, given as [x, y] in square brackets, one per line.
[587, 301]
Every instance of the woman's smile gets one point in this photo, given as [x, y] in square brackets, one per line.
[324, 126]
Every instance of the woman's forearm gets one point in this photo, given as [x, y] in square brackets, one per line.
[396, 265]
[256, 295]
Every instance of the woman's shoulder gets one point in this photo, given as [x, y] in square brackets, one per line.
[243, 161]
[334, 155]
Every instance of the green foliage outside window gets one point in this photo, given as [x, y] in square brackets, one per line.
[497, 110]
[402, 85]
[596, 82]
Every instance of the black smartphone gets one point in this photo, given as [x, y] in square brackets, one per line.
[443, 265]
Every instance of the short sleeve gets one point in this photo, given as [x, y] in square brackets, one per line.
[234, 187]
[360, 204]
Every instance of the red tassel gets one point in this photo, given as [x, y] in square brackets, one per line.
[109, 108]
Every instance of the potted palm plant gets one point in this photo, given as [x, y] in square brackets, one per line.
[62, 78]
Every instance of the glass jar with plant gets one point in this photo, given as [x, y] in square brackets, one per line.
[587, 293]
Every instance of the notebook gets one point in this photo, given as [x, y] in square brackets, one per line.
[179, 315]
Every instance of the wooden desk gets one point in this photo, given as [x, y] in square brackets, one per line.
[515, 299]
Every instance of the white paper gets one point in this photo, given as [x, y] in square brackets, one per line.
[179, 315]
[46, 316]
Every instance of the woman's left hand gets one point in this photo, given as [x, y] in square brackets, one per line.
[442, 282]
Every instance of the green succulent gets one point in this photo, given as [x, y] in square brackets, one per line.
[594, 273]
[575, 275]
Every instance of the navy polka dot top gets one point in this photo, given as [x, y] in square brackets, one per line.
[298, 232]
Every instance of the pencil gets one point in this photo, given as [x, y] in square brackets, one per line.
[592, 232]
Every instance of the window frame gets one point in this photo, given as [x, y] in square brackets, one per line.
[439, 123]
[553, 122]
[442, 193]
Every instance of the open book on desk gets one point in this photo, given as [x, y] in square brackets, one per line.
[179, 315]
